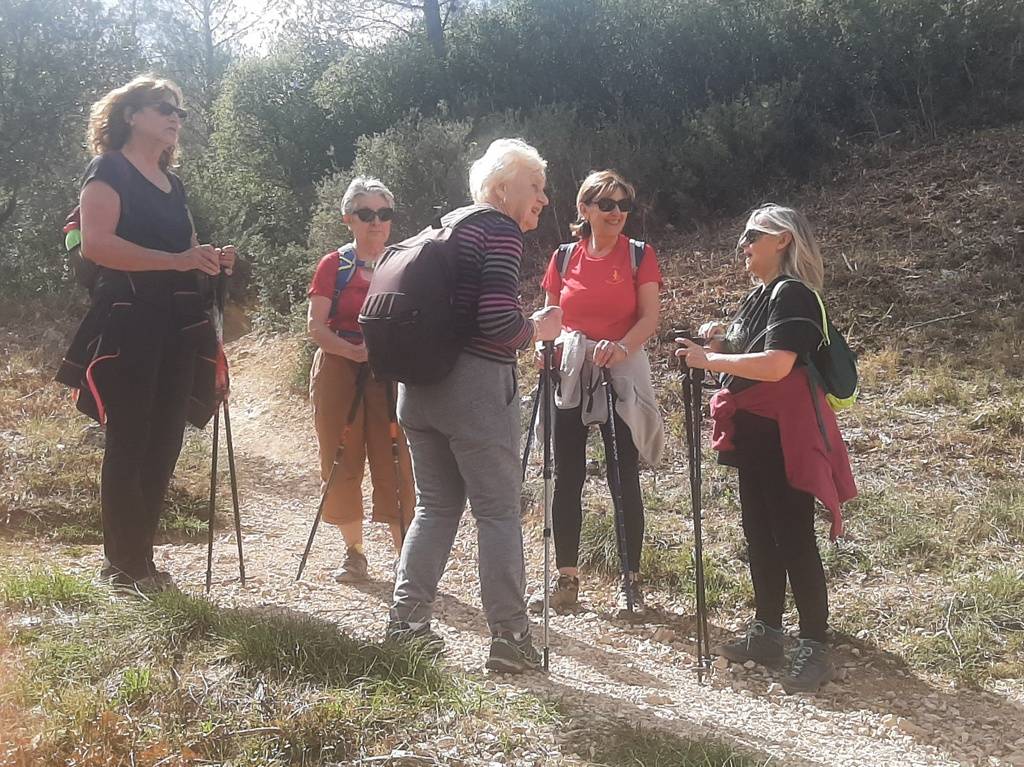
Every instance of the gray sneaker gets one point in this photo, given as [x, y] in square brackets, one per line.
[762, 644]
[354, 569]
[513, 656]
[811, 668]
[564, 594]
[420, 636]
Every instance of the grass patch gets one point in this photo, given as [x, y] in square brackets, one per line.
[643, 747]
[667, 559]
[978, 633]
[41, 589]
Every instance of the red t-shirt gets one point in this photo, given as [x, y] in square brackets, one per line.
[598, 295]
[350, 301]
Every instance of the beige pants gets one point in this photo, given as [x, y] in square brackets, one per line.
[332, 385]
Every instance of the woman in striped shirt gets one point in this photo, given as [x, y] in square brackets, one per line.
[464, 431]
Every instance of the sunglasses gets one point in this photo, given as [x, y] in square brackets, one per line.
[366, 215]
[751, 236]
[166, 108]
[607, 205]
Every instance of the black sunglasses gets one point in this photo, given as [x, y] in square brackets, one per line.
[607, 205]
[751, 236]
[366, 215]
[166, 108]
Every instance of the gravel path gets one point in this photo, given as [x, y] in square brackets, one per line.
[879, 714]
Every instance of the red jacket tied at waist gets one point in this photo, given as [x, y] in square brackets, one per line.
[811, 466]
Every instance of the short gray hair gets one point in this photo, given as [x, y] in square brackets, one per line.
[504, 158]
[361, 185]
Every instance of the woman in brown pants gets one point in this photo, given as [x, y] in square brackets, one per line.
[336, 294]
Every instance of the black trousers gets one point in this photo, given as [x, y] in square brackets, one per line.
[145, 390]
[778, 523]
[571, 473]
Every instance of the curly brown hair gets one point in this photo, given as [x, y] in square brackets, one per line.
[108, 122]
[598, 184]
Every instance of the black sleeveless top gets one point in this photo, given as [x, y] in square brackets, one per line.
[150, 218]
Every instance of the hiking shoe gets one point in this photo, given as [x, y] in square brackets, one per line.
[629, 589]
[120, 581]
[762, 644]
[354, 569]
[811, 668]
[513, 656]
[419, 636]
[564, 594]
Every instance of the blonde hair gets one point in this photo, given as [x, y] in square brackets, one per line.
[504, 158]
[595, 186]
[108, 124]
[802, 259]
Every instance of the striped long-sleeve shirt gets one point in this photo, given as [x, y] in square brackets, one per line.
[487, 288]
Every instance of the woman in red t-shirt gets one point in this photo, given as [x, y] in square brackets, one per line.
[367, 210]
[610, 302]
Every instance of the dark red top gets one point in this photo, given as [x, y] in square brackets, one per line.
[814, 466]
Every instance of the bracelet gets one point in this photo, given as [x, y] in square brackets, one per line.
[622, 346]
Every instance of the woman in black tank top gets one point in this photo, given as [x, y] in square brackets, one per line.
[134, 358]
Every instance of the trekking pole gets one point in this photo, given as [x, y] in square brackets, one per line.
[544, 391]
[213, 502]
[353, 411]
[533, 423]
[234, 491]
[615, 480]
[395, 457]
[693, 383]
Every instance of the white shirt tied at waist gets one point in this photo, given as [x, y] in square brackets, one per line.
[635, 402]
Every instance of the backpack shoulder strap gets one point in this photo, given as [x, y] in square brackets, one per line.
[637, 248]
[822, 328]
[456, 217]
[564, 257]
[346, 268]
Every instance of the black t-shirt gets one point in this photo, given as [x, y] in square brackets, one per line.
[150, 218]
[758, 311]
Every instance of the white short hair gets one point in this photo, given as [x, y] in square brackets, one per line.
[361, 185]
[504, 158]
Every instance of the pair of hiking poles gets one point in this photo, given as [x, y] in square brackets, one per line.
[545, 395]
[223, 405]
[693, 385]
[362, 374]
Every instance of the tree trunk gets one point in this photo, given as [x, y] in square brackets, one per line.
[432, 19]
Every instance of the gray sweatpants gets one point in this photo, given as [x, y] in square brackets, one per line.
[464, 437]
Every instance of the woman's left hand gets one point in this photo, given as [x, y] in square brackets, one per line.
[695, 355]
[228, 254]
[608, 353]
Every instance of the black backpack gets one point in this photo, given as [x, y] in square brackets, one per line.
[84, 271]
[408, 317]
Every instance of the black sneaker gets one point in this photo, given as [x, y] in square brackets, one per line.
[564, 594]
[513, 656]
[629, 593]
[762, 644]
[421, 636]
[120, 581]
[811, 668]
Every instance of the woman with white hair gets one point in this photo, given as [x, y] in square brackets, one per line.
[339, 371]
[773, 424]
[464, 432]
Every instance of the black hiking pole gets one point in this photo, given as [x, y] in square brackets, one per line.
[396, 458]
[234, 491]
[353, 411]
[615, 480]
[533, 423]
[693, 384]
[213, 501]
[545, 392]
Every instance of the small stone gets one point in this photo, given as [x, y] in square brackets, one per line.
[721, 663]
[775, 689]
[445, 742]
[749, 665]
[658, 699]
[910, 728]
[890, 720]
[664, 634]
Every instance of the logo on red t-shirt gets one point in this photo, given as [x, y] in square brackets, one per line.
[615, 277]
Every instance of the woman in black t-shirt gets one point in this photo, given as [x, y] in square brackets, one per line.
[767, 341]
[134, 357]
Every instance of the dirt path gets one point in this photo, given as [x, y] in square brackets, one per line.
[880, 714]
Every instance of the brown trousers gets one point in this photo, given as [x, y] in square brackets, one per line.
[332, 385]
